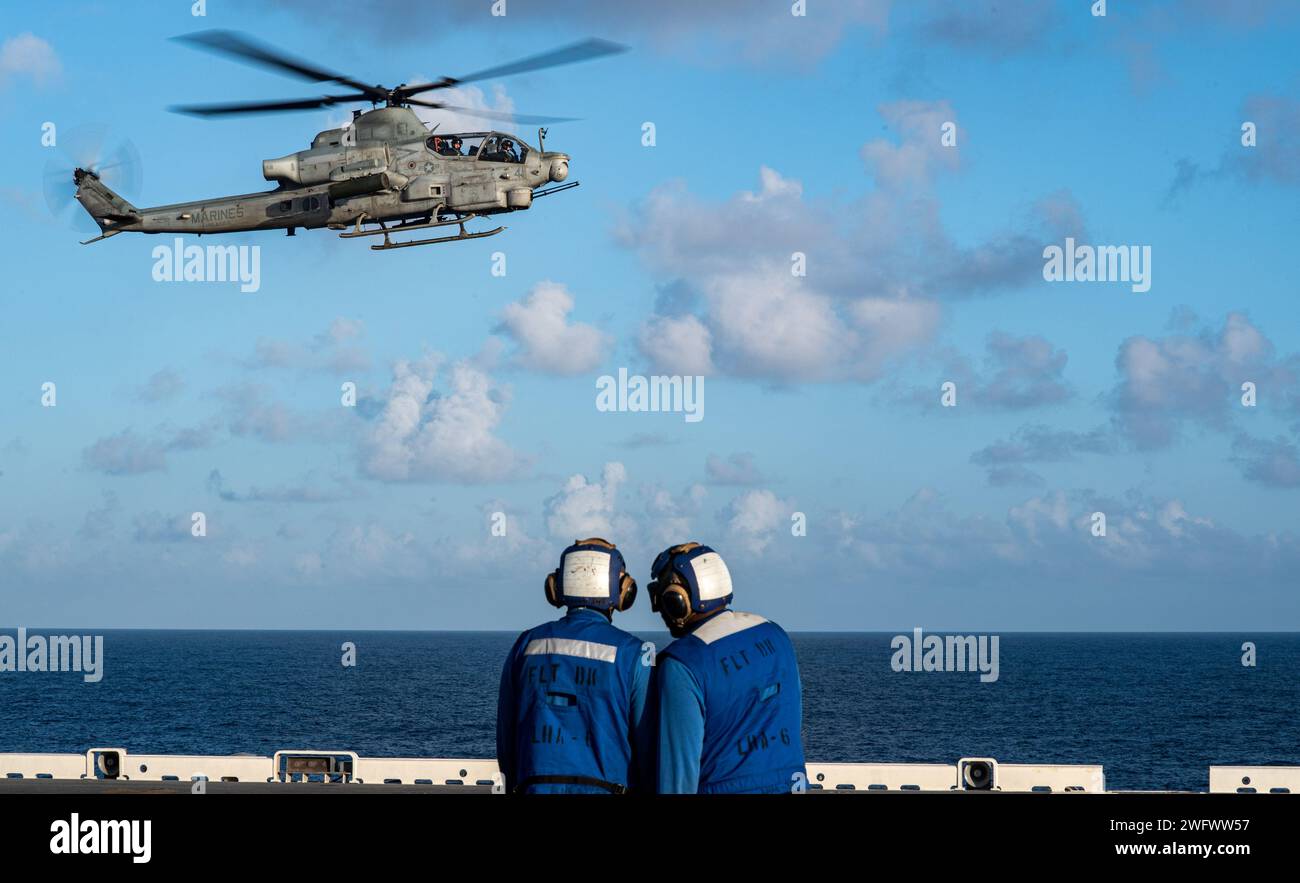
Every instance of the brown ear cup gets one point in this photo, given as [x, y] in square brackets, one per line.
[552, 588]
[674, 601]
[675, 605]
[626, 592]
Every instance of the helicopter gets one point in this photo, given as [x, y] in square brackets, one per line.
[384, 173]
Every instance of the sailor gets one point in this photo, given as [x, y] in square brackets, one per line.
[728, 692]
[571, 715]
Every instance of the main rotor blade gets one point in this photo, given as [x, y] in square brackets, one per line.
[246, 48]
[245, 107]
[581, 51]
[491, 114]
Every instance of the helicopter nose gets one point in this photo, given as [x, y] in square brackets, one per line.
[559, 168]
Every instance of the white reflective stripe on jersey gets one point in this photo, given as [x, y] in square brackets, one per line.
[726, 623]
[572, 647]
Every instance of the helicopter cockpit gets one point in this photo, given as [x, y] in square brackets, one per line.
[489, 146]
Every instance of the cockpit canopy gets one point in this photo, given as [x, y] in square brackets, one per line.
[487, 146]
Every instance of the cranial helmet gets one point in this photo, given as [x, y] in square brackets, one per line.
[592, 573]
[688, 579]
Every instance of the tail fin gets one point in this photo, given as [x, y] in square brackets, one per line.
[110, 211]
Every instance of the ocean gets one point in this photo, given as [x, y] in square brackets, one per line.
[1156, 709]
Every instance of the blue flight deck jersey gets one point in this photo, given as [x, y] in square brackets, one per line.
[729, 709]
[573, 703]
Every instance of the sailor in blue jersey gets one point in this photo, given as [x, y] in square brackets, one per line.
[571, 714]
[728, 694]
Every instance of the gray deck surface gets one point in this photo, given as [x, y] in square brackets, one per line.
[117, 786]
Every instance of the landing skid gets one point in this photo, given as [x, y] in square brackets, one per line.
[434, 221]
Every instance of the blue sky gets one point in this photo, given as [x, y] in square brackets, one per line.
[774, 134]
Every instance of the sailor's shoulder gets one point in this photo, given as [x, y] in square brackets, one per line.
[625, 641]
[727, 624]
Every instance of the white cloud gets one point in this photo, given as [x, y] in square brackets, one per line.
[911, 161]
[751, 520]
[546, 340]
[471, 98]
[873, 270]
[670, 518]
[677, 345]
[27, 55]
[588, 508]
[420, 436]
[1183, 378]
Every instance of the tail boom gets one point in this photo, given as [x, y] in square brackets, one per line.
[111, 212]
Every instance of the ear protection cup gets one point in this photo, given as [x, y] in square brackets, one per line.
[668, 597]
[626, 592]
[552, 588]
[675, 605]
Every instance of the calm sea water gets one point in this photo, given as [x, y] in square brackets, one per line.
[1156, 709]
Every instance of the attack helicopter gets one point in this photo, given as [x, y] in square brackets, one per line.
[384, 173]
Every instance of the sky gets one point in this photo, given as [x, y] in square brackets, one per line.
[820, 135]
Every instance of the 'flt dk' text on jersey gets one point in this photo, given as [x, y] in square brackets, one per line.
[571, 713]
[730, 709]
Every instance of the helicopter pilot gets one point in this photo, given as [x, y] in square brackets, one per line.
[443, 146]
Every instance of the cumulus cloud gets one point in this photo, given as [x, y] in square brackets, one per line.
[873, 272]
[753, 519]
[545, 338]
[426, 435]
[496, 109]
[759, 319]
[913, 160]
[27, 55]
[677, 345]
[1168, 383]
[586, 508]
[670, 518]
